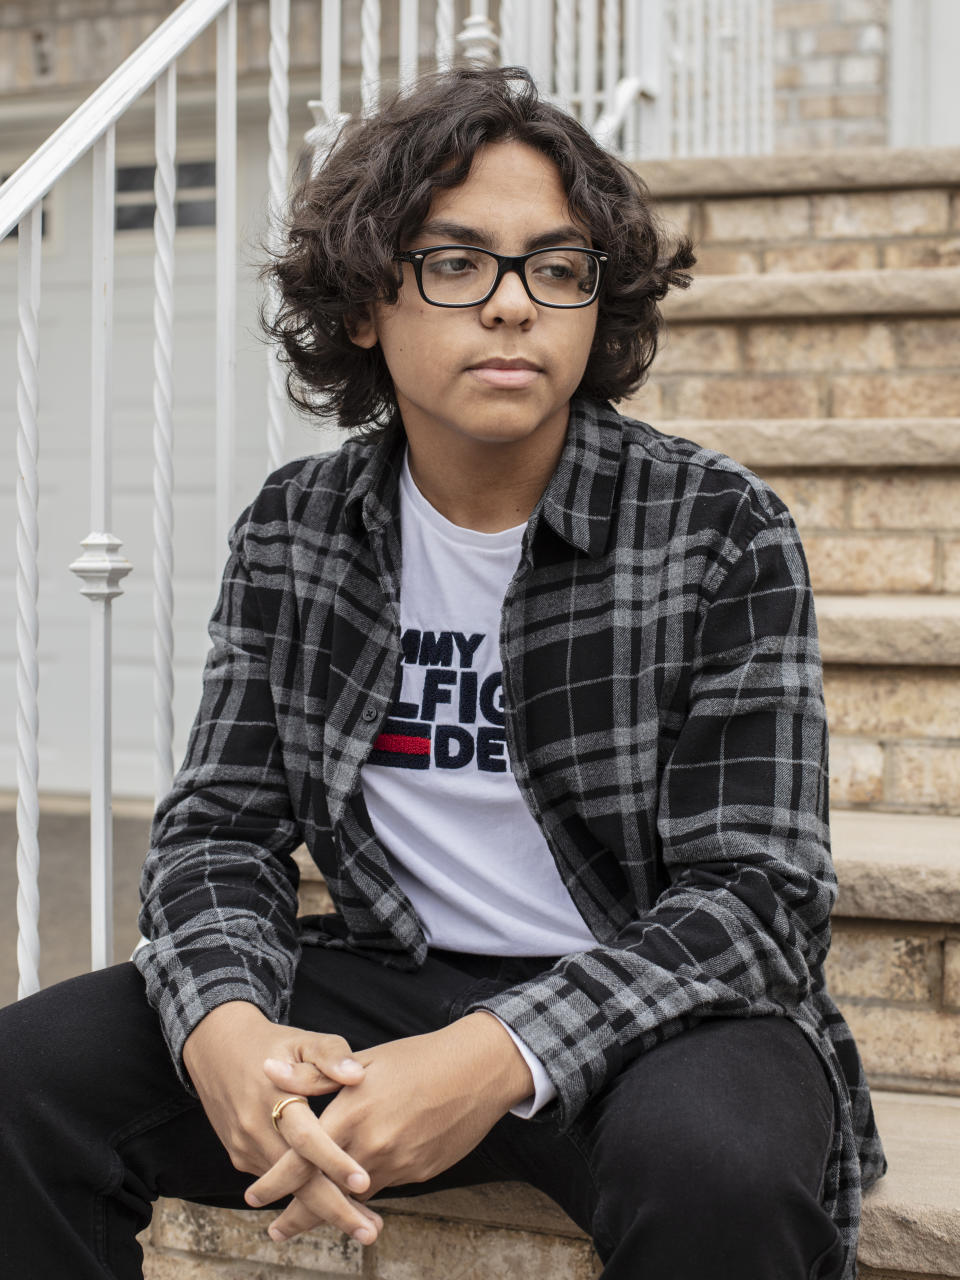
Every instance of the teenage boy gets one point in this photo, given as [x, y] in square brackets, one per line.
[539, 689]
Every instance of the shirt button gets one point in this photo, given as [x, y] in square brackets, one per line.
[368, 714]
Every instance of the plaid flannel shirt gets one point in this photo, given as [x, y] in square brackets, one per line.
[665, 726]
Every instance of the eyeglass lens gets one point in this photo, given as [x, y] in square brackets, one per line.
[555, 277]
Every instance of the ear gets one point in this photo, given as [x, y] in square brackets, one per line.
[362, 330]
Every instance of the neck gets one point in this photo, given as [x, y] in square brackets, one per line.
[483, 486]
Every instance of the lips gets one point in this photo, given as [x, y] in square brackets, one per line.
[503, 373]
[497, 362]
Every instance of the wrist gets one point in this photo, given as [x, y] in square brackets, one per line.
[507, 1075]
[222, 1025]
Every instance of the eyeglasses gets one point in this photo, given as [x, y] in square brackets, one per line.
[459, 275]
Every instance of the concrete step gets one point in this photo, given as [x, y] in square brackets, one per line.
[911, 1223]
[857, 210]
[828, 443]
[816, 294]
[894, 964]
[889, 630]
[897, 866]
[894, 736]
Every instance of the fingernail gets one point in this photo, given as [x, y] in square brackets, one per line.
[276, 1234]
[357, 1181]
[253, 1200]
[348, 1064]
[364, 1235]
[276, 1064]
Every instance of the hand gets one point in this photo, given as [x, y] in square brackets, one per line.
[424, 1102]
[224, 1056]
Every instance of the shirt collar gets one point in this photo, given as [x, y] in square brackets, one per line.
[576, 504]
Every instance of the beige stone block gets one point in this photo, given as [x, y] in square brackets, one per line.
[889, 962]
[951, 974]
[859, 105]
[856, 771]
[897, 631]
[820, 257]
[727, 262]
[816, 499]
[698, 348]
[804, 14]
[895, 395]
[678, 215]
[911, 1222]
[836, 39]
[647, 403]
[860, 69]
[817, 106]
[242, 1234]
[314, 899]
[922, 253]
[817, 73]
[951, 565]
[905, 500]
[908, 1044]
[880, 563]
[894, 702]
[493, 1204]
[756, 218]
[787, 76]
[813, 346]
[932, 342]
[735, 397]
[177, 1266]
[878, 213]
[409, 1249]
[926, 774]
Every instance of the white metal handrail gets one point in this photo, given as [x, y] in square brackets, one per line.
[103, 109]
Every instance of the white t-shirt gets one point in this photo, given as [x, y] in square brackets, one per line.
[438, 786]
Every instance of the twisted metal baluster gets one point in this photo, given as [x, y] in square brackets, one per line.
[164, 224]
[28, 541]
[369, 56]
[278, 134]
[445, 45]
[565, 66]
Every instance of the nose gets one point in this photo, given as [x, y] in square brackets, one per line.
[509, 303]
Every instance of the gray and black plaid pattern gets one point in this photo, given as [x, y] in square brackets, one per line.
[665, 724]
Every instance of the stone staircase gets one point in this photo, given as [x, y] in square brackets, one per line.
[818, 345]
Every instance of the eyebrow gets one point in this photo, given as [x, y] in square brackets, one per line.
[457, 233]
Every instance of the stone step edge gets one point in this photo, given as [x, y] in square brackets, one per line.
[817, 294]
[889, 630]
[897, 866]
[859, 169]
[861, 443]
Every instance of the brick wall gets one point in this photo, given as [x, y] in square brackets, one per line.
[831, 73]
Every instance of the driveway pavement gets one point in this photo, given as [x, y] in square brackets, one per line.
[65, 891]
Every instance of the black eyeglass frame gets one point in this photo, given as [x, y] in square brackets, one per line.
[504, 264]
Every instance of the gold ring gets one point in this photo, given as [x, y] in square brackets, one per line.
[278, 1107]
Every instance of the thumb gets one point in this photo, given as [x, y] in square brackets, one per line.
[307, 1079]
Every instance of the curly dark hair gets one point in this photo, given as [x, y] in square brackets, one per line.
[374, 189]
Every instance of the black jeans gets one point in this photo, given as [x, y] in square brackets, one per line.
[702, 1160]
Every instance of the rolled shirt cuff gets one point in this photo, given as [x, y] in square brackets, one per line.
[544, 1088]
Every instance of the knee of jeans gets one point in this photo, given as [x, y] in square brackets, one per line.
[700, 1187]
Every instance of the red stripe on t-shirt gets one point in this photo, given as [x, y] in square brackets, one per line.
[404, 743]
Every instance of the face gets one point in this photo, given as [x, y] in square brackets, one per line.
[444, 361]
